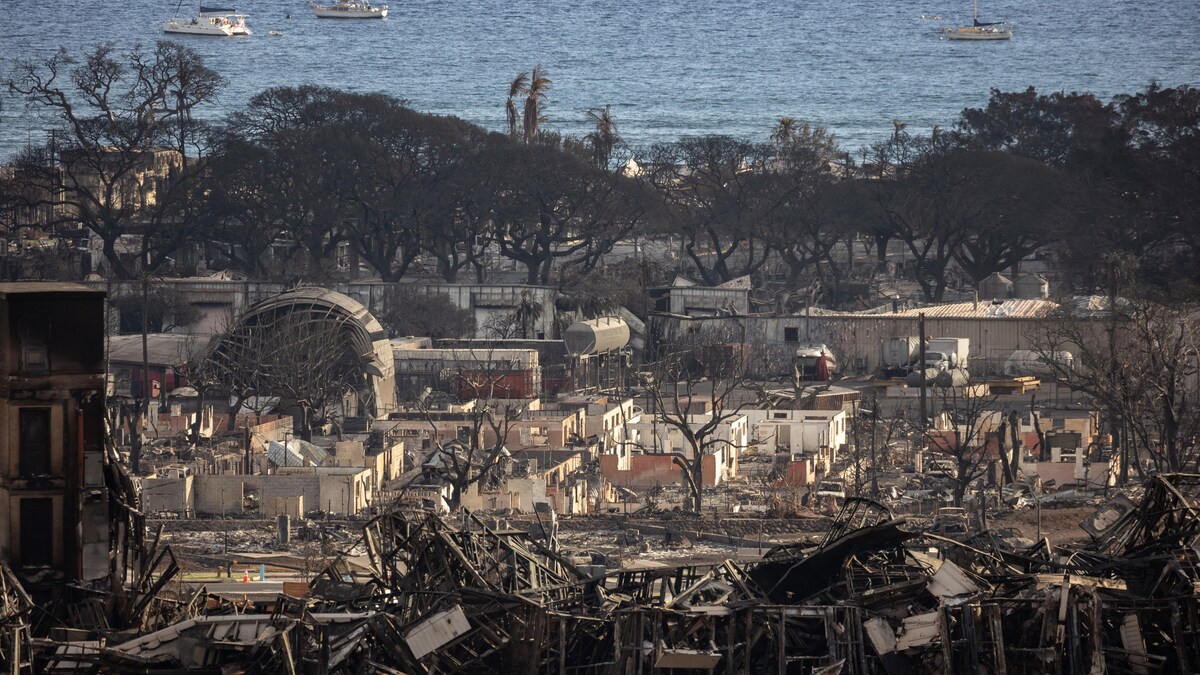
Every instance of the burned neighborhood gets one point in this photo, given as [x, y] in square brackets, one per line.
[331, 386]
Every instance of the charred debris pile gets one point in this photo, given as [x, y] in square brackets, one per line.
[874, 596]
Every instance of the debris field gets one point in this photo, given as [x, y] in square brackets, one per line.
[874, 596]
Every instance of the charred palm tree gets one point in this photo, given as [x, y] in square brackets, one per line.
[535, 101]
[605, 136]
[519, 86]
[784, 131]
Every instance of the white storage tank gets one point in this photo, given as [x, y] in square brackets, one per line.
[1029, 362]
[596, 336]
[897, 352]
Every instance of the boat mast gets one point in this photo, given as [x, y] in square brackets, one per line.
[974, 12]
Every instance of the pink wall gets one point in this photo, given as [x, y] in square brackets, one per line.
[650, 470]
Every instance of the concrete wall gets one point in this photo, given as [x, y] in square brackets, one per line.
[348, 454]
[318, 490]
[168, 493]
[284, 506]
[215, 494]
[345, 493]
[799, 473]
[731, 296]
[289, 483]
[798, 430]
[605, 420]
[993, 339]
[540, 429]
[569, 498]
[474, 500]
[727, 441]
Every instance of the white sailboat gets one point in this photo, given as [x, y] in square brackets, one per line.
[978, 30]
[351, 9]
[209, 21]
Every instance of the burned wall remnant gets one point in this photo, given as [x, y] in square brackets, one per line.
[54, 505]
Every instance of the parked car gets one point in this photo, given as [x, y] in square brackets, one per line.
[831, 488]
[944, 467]
[950, 521]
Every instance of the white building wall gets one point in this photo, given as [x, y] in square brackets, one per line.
[798, 431]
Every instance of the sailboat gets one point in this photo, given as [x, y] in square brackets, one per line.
[979, 30]
[209, 21]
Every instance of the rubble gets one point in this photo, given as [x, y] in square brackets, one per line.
[876, 595]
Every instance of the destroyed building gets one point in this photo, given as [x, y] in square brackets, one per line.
[54, 529]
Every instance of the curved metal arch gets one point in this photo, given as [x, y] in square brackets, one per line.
[368, 338]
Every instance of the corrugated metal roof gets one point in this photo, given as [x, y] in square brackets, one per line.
[1004, 309]
[165, 349]
[984, 309]
[34, 287]
[295, 453]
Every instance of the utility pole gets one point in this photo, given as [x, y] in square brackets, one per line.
[135, 457]
[874, 446]
[857, 458]
[924, 404]
[247, 466]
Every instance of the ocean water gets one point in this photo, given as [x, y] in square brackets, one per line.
[669, 68]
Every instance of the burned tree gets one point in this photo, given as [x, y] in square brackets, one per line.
[492, 406]
[697, 388]
[547, 205]
[121, 158]
[1139, 360]
[301, 355]
[408, 311]
[964, 430]
[721, 199]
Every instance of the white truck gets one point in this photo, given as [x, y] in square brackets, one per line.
[954, 351]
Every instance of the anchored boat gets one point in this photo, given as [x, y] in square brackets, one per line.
[349, 10]
[213, 21]
[980, 30]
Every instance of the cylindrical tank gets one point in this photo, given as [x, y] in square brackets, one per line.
[896, 352]
[996, 287]
[595, 336]
[1031, 287]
